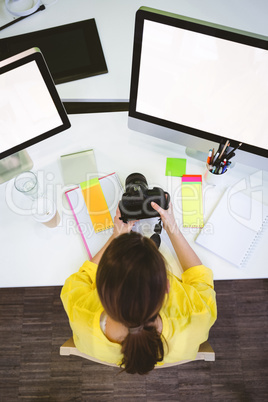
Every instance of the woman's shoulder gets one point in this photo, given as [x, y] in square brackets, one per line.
[198, 274]
[191, 293]
[193, 274]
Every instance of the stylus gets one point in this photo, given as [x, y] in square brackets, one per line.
[41, 8]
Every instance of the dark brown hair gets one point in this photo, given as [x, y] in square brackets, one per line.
[131, 282]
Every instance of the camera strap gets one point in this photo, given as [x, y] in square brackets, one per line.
[157, 231]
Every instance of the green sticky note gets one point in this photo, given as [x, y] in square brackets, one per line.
[175, 167]
[89, 183]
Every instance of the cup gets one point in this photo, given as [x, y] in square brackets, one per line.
[27, 184]
[215, 179]
[45, 212]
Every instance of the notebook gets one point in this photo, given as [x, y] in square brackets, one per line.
[78, 166]
[235, 228]
[192, 201]
[95, 220]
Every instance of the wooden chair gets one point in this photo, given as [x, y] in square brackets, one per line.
[205, 352]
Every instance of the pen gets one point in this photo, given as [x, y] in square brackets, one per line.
[209, 157]
[230, 155]
[221, 145]
[216, 157]
[224, 169]
[212, 155]
[42, 7]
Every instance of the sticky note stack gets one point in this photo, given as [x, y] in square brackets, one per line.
[192, 201]
[96, 205]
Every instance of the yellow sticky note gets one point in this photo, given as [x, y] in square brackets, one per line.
[96, 205]
[192, 204]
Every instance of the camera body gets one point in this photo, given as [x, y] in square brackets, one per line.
[136, 201]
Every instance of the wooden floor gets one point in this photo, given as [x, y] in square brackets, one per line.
[33, 325]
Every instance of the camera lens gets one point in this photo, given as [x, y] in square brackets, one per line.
[136, 180]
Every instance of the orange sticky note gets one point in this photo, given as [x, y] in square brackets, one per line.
[96, 205]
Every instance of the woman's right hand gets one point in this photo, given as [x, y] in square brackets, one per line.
[119, 226]
[166, 215]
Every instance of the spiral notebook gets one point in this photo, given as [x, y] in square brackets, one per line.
[235, 228]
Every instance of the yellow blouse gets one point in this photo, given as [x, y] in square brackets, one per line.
[187, 314]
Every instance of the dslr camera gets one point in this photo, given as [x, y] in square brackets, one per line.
[136, 201]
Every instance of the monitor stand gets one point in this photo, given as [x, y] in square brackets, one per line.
[13, 165]
[201, 156]
[194, 153]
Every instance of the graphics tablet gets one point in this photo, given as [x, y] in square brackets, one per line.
[72, 51]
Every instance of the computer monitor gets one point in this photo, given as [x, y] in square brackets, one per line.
[30, 109]
[196, 83]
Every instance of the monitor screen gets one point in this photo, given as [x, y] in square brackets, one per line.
[30, 107]
[206, 81]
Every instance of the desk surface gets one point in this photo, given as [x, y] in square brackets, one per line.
[34, 255]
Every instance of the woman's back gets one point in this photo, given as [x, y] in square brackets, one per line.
[187, 315]
[152, 317]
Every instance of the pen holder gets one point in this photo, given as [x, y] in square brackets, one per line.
[214, 178]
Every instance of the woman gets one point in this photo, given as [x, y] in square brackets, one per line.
[130, 311]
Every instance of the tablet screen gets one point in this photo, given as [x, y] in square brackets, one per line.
[30, 108]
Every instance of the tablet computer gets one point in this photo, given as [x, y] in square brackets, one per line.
[30, 107]
[72, 51]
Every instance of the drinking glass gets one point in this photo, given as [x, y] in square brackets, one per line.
[26, 183]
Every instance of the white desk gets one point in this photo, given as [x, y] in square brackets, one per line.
[33, 255]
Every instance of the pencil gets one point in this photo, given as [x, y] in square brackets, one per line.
[238, 146]
[225, 146]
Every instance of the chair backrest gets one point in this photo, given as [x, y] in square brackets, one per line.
[205, 352]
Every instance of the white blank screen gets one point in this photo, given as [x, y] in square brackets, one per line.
[204, 82]
[26, 107]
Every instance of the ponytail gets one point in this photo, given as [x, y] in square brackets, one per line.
[142, 350]
[131, 282]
